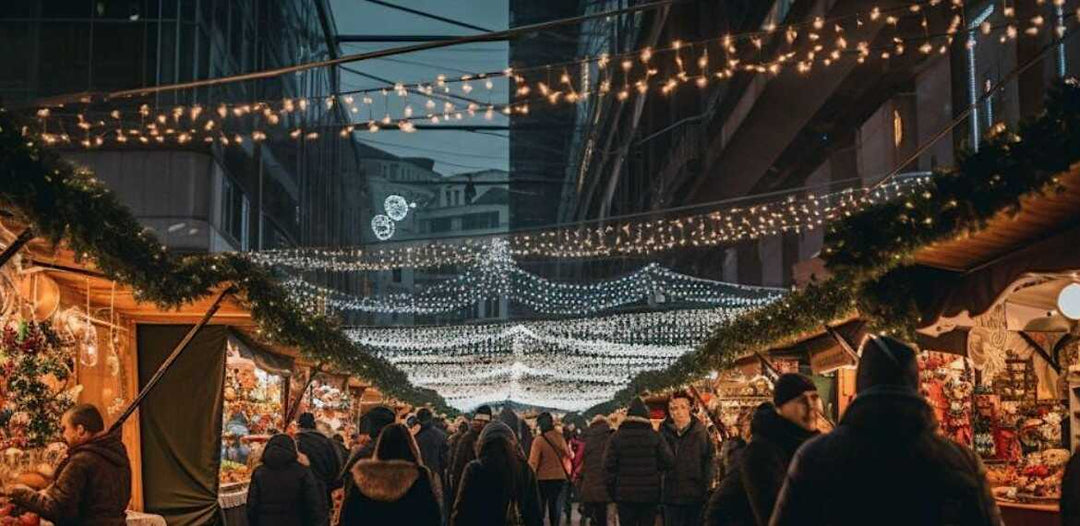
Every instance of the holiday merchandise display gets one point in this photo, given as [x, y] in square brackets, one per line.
[946, 383]
[35, 373]
[331, 403]
[252, 412]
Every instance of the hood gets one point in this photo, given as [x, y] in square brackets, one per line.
[109, 447]
[280, 452]
[385, 480]
[598, 427]
[890, 411]
[510, 418]
[635, 422]
[769, 425]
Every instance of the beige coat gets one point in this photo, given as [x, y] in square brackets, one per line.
[548, 462]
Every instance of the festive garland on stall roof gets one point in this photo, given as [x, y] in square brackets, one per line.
[64, 203]
[871, 253]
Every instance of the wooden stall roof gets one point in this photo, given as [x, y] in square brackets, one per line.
[81, 279]
[1039, 217]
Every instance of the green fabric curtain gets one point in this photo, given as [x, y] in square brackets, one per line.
[181, 423]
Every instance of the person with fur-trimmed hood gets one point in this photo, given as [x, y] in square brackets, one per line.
[594, 493]
[635, 460]
[885, 463]
[497, 488]
[393, 486]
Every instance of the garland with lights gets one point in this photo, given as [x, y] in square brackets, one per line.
[63, 203]
[629, 238]
[496, 275]
[871, 253]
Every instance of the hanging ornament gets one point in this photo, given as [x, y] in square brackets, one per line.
[383, 227]
[397, 207]
[88, 353]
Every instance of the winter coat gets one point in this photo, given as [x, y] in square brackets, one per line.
[634, 462]
[748, 492]
[283, 492]
[391, 492]
[483, 497]
[546, 459]
[885, 464]
[92, 486]
[1070, 492]
[593, 488]
[689, 481]
[325, 458]
[577, 447]
[434, 448]
[464, 452]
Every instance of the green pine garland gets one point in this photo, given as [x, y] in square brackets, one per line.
[871, 253]
[62, 202]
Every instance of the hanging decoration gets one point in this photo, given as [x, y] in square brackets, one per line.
[617, 238]
[926, 27]
[382, 226]
[566, 364]
[35, 370]
[496, 275]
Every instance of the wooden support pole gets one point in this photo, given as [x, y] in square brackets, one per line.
[770, 370]
[715, 421]
[290, 413]
[843, 343]
[1040, 351]
[164, 367]
[15, 246]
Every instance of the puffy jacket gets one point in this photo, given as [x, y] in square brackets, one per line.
[635, 459]
[92, 486]
[465, 452]
[546, 457]
[688, 482]
[434, 448]
[593, 487]
[1070, 492]
[748, 492]
[884, 464]
[391, 492]
[325, 458]
[483, 498]
[283, 492]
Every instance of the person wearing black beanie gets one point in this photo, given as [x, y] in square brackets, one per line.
[635, 460]
[749, 490]
[465, 450]
[885, 463]
[325, 457]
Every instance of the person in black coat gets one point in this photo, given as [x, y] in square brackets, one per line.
[635, 459]
[885, 463]
[748, 492]
[465, 449]
[1070, 492]
[393, 487]
[594, 494]
[497, 488]
[686, 486]
[283, 492]
[322, 453]
[434, 449]
[371, 424]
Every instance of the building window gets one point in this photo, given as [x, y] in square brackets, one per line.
[480, 221]
[235, 208]
[492, 308]
[396, 275]
[441, 224]
[973, 82]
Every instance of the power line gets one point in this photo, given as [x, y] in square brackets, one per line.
[484, 37]
[425, 14]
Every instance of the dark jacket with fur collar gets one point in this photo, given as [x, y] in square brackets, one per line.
[593, 487]
[92, 487]
[391, 492]
[749, 489]
[284, 492]
[885, 464]
[636, 458]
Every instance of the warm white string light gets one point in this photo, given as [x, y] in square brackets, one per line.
[496, 275]
[618, 238]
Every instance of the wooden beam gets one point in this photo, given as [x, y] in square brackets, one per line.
[160, 373]
[24, 237]
[1042, 352]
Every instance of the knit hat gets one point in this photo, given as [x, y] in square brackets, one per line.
[638, 408]
[306, 421]
[887, 361]
[483, 413]
[495, 431]
[790, 386]
[424, 416]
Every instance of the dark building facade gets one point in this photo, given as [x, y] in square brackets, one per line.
[270, 194]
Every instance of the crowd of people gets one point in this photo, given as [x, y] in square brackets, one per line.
[883, 463]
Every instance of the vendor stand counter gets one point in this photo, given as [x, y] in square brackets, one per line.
[1017, 514]
[232, 498]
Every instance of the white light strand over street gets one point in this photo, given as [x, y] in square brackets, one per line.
[496, 275]
[618, 238]
[539, 362]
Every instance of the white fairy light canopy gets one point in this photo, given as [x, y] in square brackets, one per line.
[496, 275]
[562, 364]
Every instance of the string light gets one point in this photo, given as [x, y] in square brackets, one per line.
[496, 275]
[638, 238]
[565, 364]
